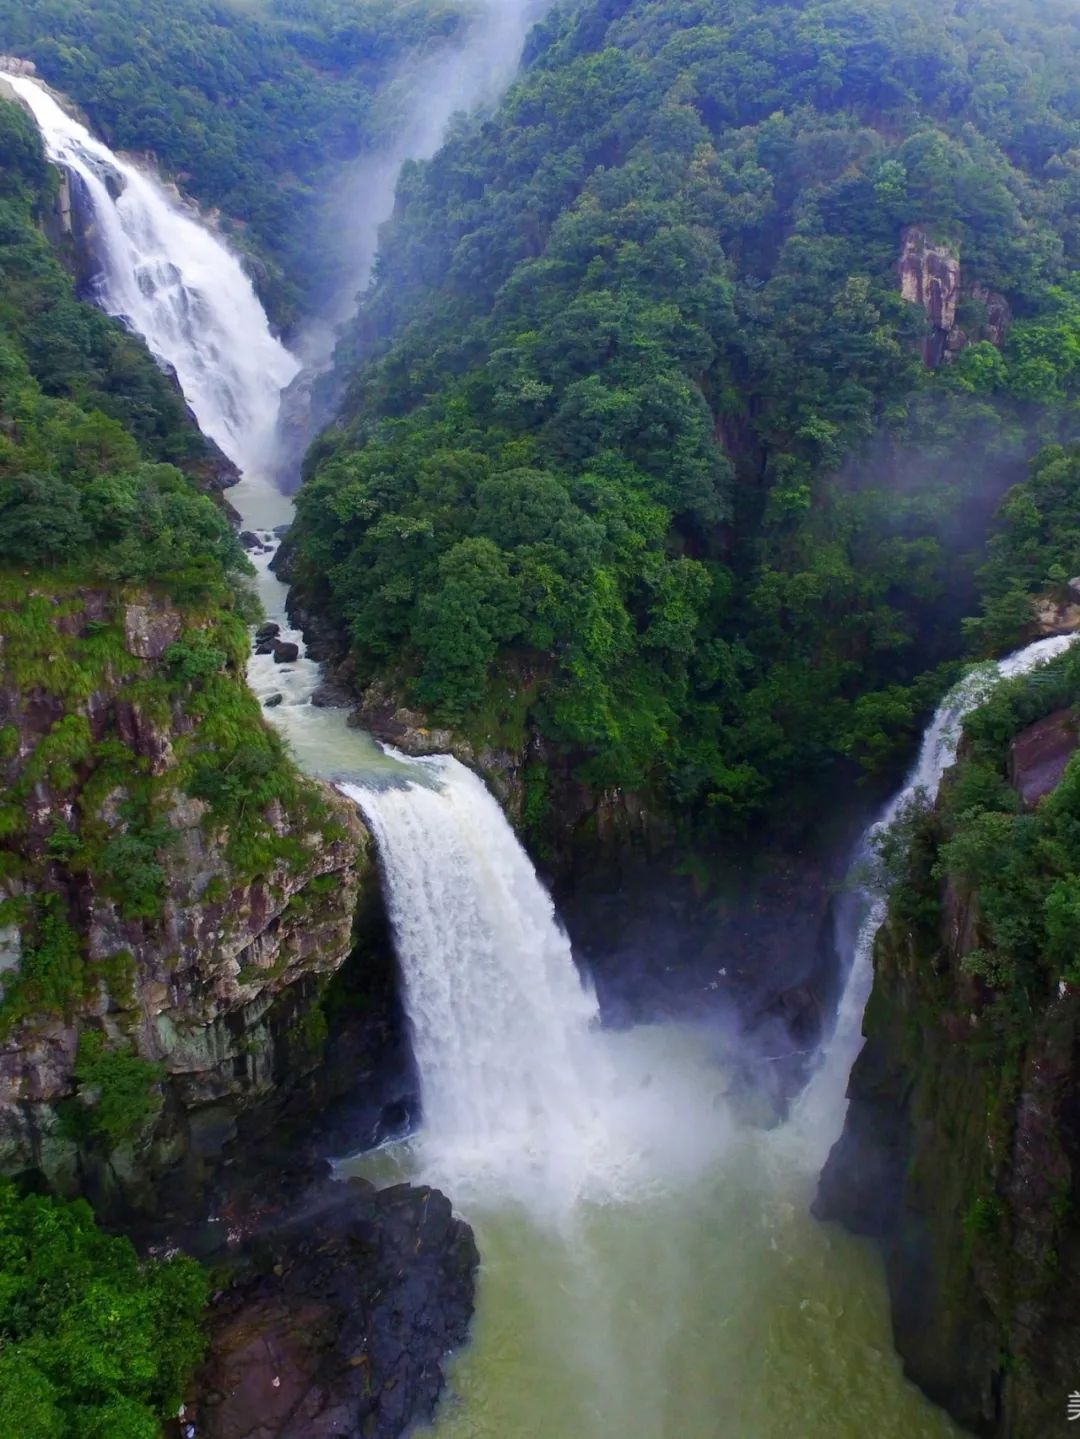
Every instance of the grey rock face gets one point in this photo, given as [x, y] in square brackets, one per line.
[341, 1324]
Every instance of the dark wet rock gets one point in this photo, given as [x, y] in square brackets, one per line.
[280, 531]
[339, 1322]
[285, 651]
[250, 540]
[268, 631]
[272, 701]
[265, 647]
[283, 561]
[1039, 756]
[330, 695]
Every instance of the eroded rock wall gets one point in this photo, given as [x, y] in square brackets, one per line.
[961, 1150]
[959, 309]
[188, 934]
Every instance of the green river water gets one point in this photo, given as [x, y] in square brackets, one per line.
[705, 1305]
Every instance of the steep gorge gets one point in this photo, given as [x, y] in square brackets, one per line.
[205, 951]
[960, 1152]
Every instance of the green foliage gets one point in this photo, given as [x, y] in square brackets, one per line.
[637, 419]
[52, 970]
[1034, 549]
[258, 106]
[93, 1343]
[118, 1093]
[985, 1218]
[1021, 867]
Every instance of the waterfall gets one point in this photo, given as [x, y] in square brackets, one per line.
[520, 1086]
[818, 1116]
[175, 283]
[524, 1096]
[500, 1018]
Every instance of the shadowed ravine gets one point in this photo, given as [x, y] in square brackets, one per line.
[651, 1270]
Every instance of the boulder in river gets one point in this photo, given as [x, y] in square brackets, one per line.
[268, 631]
[329, 695]
[285, 651]
[339, 1322]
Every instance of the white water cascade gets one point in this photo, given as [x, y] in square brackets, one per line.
[177, 285]
[818, 1115]
[500, 1019]
[524, 1096]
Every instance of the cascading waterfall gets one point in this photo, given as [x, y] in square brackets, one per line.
[177, 285]
[500, 1018]
[818, 1115]
[523, 1095]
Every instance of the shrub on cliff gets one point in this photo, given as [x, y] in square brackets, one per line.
[94, 1344]
[1020, 865]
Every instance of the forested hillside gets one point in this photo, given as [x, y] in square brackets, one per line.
[255, 108]
[645, 452]
[92, 1342]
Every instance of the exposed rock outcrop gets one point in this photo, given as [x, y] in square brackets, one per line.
[931, 276]
[338, 1323]
[142, 922]
[1039, 756]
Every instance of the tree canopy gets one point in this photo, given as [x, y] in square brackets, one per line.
[93, 1343]
[254, 107]
[639, 445]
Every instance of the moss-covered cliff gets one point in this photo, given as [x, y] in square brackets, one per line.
[961, 1151]
[167, 873]
[173, 892]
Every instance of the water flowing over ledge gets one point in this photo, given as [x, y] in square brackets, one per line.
[172, 281]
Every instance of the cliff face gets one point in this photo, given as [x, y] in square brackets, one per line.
[174, 894]
[961, 1150]
[959, 311]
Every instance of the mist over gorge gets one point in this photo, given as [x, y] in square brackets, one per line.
[690, 394]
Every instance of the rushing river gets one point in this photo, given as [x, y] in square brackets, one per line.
[650, 1268]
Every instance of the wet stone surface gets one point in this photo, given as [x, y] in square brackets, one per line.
[338, 1321]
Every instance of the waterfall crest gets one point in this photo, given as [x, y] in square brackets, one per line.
[175, 283]
[500, 1017]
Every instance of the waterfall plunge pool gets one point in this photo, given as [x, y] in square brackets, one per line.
[701, 1303]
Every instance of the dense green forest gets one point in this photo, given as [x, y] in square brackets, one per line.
[254, 107]
[91, 431]
[640, 453]
[93, 1344]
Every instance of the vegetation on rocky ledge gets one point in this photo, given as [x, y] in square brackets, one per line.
[960, 1149]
